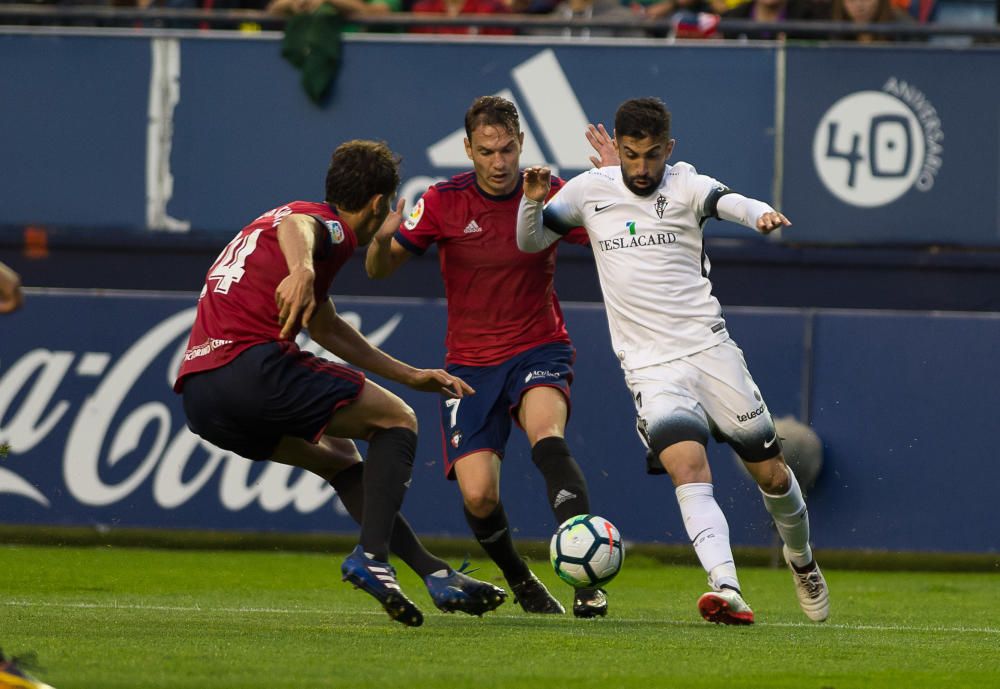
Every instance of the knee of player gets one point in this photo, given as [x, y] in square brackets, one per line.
[773, 475]
[480, 500]
[403, 416]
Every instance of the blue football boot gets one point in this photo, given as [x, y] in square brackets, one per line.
[378, 579]
[457, 591]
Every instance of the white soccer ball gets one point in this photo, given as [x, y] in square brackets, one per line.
[586, 550]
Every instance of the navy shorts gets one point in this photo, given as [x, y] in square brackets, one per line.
[267, 392]
[482, 421]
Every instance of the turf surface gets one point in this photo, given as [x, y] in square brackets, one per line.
[106, 618]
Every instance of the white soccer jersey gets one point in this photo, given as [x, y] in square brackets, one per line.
[650, 259]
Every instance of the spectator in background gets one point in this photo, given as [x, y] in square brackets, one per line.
[776, 11]
[530, 6]
[659, 9]
[11, 297]
[594, 9]
[868, 12]
[349, 8]
[455, 8]
[924, 11]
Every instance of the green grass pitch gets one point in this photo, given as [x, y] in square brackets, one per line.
[107, 618]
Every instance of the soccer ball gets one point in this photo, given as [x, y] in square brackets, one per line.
[586, 551]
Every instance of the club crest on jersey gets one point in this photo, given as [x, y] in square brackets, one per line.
[661, 205]
[336, 231]
[456, 438]
[414, 217]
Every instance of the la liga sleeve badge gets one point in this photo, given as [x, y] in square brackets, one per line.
[415, 215]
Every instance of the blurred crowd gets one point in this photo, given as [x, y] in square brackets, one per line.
[680, 18]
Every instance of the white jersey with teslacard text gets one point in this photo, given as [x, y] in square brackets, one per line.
[650, 259]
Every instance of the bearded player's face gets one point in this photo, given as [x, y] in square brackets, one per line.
[496, 156]
[643, 162]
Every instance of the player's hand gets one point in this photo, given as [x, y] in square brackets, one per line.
[296, 301]
[11, 296]
[607, 151]
[771, 221]
[11, 299]
[439, 380]
[537, 182]
[391, 223]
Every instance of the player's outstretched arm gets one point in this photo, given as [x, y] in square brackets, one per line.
[604, 145]
[11, 297]
[340, 338]
[385, 255]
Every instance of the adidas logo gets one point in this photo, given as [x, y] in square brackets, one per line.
[473, 226]
[562, 496]
[385, 577]
[553, 108]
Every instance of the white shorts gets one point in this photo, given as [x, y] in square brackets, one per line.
[709, 392]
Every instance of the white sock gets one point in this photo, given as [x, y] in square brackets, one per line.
[709, 532]
[792, 519]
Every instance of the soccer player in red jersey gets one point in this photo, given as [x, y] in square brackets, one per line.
[506, 337]
[249, 389]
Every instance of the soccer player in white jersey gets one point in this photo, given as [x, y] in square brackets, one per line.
[686, 375]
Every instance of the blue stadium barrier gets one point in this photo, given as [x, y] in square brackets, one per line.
[95, 436]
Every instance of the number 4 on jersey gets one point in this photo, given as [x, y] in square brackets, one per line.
[228, 269]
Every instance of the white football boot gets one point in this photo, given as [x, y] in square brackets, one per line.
[810, 586]
[725, 606]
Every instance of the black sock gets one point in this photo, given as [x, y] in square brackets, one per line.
[493, 534]
[403, 543]
[564, 482]
[387, 473]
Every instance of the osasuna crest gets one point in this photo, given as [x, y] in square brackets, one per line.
[336, 231]
[661, 205]
[456, 438]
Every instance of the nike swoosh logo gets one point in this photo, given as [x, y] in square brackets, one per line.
[769, 443]
[598, 209]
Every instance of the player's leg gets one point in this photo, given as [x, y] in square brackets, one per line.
[744, 421]
[784, 501]
[675, 428]
[475, 430]
[338, 461]
[272, 391]
[687, 464]
[539, 383]
[390, 427]
[478, 476]
[542, 414]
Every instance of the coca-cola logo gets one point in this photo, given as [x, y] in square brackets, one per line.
[105, 429]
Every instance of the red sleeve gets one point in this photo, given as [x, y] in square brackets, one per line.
[420, 229]
[577, 235]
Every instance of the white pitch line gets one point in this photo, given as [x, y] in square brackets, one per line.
[634, 620]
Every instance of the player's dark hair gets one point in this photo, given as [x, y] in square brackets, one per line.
[642, 117]
[492, 110]
[358, 170]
